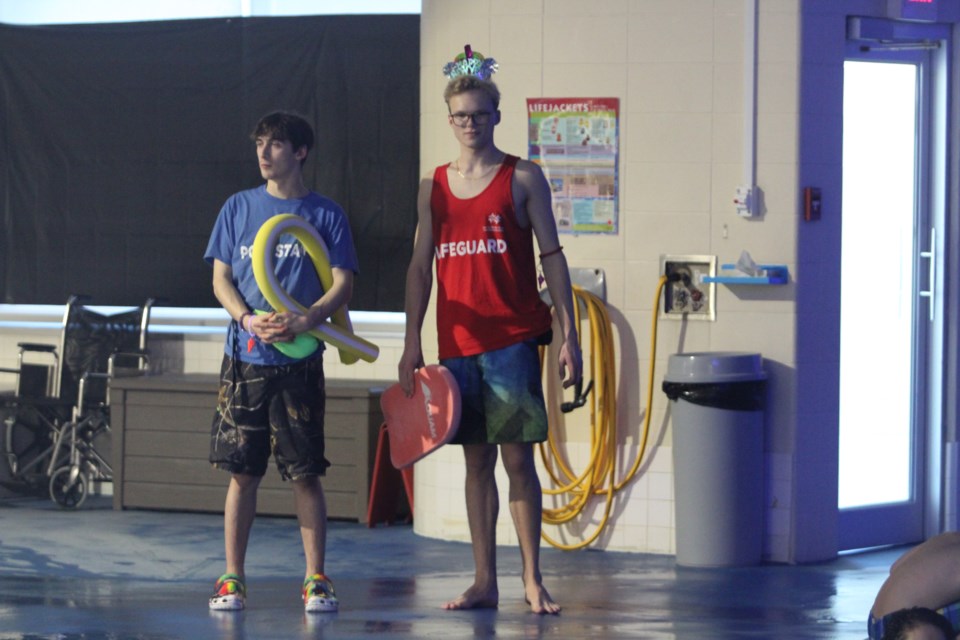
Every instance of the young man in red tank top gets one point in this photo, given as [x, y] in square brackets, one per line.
[477, 218]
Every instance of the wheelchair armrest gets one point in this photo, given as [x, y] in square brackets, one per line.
[141, 354]
[143, 361]
[34, 346]
[144, 353]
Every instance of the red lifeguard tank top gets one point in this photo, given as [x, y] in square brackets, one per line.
[487, 295]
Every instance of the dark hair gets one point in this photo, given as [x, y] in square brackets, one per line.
[462, 84]
[897, 624]
[285, 127]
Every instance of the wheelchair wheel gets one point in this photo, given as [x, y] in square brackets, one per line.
[26, 451]
[67, 488]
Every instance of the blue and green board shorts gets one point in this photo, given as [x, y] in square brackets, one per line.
[501, 395]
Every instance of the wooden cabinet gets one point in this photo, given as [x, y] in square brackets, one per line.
[161, 437]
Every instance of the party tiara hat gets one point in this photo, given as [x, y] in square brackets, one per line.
[470, 63]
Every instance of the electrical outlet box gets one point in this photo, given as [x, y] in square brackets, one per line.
[686, 296]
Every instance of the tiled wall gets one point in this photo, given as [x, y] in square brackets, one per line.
[678, 70]
[642, 513]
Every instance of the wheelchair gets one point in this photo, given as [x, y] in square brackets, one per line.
[57, 420]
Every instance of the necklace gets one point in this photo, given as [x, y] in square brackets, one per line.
[481, 176]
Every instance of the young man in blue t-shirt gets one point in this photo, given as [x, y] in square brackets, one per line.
[269, 402]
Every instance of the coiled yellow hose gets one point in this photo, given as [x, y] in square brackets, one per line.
[599, 475]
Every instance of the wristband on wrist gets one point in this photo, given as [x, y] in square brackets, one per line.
[550, 253]
[243, 321]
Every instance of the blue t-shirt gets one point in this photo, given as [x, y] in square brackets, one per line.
[232, 243]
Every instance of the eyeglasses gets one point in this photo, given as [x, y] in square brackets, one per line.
[463, 119]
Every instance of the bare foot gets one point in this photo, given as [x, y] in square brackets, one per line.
[475, 598]
[540, 601]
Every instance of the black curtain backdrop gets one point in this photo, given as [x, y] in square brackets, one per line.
[121, 142]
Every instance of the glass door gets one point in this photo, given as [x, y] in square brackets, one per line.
[888, 275]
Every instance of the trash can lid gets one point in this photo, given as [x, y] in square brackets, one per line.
[715, 366]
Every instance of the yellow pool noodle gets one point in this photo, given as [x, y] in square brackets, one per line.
[337, 331]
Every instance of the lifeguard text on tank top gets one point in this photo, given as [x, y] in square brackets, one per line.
[487, 296]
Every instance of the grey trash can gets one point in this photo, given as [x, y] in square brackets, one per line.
[717, 401]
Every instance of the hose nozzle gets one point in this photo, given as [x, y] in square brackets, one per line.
[579, 397]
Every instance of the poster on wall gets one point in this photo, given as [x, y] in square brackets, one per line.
[574, 140]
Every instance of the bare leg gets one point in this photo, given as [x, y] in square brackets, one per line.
[483, 505]
[239, 512]
[526, 502]
[312, 516]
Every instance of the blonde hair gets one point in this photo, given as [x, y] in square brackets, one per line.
[463, 84]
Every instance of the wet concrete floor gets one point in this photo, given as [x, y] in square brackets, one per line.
[100, 574]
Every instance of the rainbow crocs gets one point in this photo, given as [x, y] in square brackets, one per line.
[318, 595]
[229, 594]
